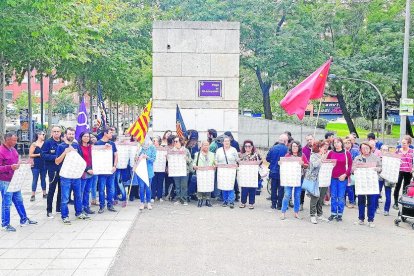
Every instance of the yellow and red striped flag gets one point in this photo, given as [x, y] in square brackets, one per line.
[140, 127]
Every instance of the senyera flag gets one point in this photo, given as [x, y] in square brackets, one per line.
[311, 88]
[82, 124]
[179, 124]
[140, 127]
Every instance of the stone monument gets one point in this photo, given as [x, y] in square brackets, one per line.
[196, 65]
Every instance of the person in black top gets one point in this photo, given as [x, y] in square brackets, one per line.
[49, 155]
[38, 167]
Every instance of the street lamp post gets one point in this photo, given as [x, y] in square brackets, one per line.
[333, 76]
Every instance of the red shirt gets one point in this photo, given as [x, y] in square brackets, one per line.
[87, 155]
[8, 157]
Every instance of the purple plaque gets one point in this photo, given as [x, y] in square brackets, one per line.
[209, 88]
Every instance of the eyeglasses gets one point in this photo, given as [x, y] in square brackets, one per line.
[247, 146]
[176, 141]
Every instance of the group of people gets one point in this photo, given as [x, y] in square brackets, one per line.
[48, 155]
[347, 154]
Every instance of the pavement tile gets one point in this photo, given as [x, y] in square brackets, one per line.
[17, 253]
[30, 244]
[24, 272]
[34, 264]
[45, 253]
[40, 235]
[5, 243]
[102, 252]
[73, 253]
[102, 263]
[94, 272]
[64, 264]
[58, 272]
[64, 236]
[56, 244]
[88, 236]
[2, 251]
[81, 244]
[108, 243]
[9, 263]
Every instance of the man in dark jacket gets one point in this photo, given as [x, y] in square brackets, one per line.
[49, 155]
[273, 157]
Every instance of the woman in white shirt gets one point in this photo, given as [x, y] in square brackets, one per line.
[227, 155]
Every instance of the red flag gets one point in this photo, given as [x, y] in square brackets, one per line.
[311, 88]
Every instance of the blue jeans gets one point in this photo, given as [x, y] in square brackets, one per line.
[387, 204]
[120, 184]
[36, 173]
[248, 191]
[338, 189]
[66, 184]
[288, 195]
[7, 199]
[94, 184]
[276, 193]
[157, 184]
[106, 181]
[228, 196]
[372, 201]
[85, 190]
[144, 190]
[351, 194]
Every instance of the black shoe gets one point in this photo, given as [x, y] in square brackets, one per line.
[339, 218]
[45, 196]
[193, 197]
[290, 204]
[231, 205]
[32, 198]
[224, 204]
[49, 215]
[273, 206]
[57, 210]
[89, 211]
[101, 210]
[111, 209]
[237, 198]
[332, 217]
[279, 208]
[131, 199]
[208, 203]
[200, 203]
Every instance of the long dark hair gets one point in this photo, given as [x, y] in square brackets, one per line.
[299, 148]
[81, 136]
[36, 135]
[248, 142]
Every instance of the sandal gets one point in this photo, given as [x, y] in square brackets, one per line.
[242, 205]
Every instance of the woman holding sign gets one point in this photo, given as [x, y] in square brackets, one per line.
[370, 200]
[295, 150]
[339, 181]
[227, 155]
[248, 153]
[85, 150]
[203, 159]
[179, 162]
[406, 167]
[159, 169]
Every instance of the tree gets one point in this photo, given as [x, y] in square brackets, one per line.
[22, 102]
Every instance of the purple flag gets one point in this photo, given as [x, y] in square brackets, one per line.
[82, 124]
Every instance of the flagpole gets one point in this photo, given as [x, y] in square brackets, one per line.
[317, 117]
[130, 185]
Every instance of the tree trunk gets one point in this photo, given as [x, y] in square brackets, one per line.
[50, 105]
[346, 114]
[42, 119]
[2, 99]
[265, 87]
[29, 98]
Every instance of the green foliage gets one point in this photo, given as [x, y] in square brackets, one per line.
[22, 102]
[63, 103]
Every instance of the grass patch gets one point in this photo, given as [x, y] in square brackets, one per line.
[342, 130]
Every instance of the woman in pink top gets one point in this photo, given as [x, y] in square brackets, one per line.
[406, 167]
[340, 174]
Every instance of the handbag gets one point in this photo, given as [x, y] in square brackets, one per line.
[311, 186]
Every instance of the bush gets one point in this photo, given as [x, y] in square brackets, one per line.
[307, 121]
[362, 123]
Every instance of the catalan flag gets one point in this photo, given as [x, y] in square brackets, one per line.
[179, 124]
[140, 127]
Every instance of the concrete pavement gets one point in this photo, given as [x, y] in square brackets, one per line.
[179, 240]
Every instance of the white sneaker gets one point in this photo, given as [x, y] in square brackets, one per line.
[371, 224]
[386, 213]
[152, 201]
[185, 203]
[142, 206]
[359, 222]
[161, 200]
[322, 218]
[314, 220]
[149, 206]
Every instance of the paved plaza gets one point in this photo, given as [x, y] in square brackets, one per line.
[186, 240]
